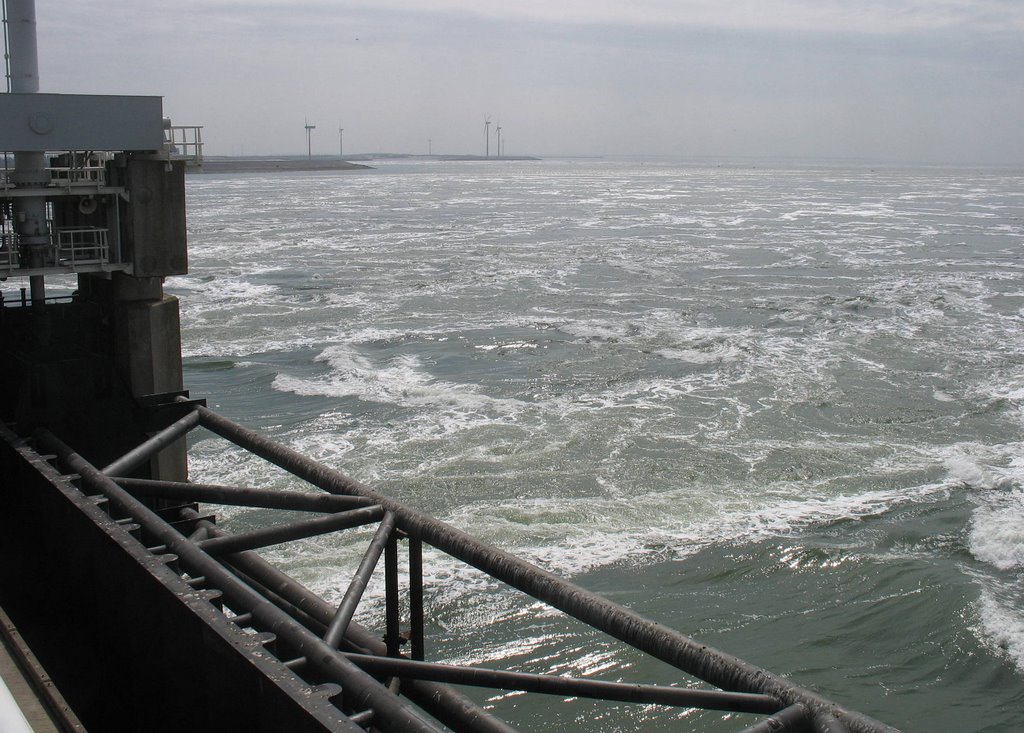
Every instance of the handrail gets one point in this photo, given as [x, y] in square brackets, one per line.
[186, 143]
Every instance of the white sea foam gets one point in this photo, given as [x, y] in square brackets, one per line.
[1002, 625]
[708, 354]
[997, 532]
[965, 469]
[982, 467]
[400, 380]
[595, 329]
[556, 534]
[219, 290]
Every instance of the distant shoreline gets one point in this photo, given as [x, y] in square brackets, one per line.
[466, 157]
[270, 164]
[261, 165]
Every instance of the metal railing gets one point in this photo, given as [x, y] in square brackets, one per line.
[8, 252]
[321, 642]
[90, 174]
[186, 143]
[73, 247]
[81, 246]
[71, 168]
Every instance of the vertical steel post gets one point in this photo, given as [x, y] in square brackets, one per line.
[416, 597]
[391, 633]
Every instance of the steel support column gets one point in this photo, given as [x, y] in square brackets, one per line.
[416, 598]
[392, 622]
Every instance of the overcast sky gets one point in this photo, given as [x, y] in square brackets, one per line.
[886, 80]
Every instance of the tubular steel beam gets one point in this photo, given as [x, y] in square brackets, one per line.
[794, 719]
[354, 593]
[737, 702]
[144, 451]
[393, 714]
[240, 495]
[291, 531]
[829, 724]
[704, 662]
[457, 711]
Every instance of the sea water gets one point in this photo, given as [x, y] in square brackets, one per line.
[779, 408]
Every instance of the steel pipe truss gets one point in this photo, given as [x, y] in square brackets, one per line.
[382, 688]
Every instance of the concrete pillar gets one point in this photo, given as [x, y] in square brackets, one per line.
[148, 332]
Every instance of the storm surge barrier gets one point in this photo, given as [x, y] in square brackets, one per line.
[338, 674]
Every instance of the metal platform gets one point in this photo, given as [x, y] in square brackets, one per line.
[335, 673]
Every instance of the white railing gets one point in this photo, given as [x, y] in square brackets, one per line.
[82, 246]
[6, 170]
[186, 143]
[83, 170]
[8, 252]
[95, 175]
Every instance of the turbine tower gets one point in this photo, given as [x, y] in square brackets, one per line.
[309, 138]
[487, 137]
[341, 142]
[498, 135]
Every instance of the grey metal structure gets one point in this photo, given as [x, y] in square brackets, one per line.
[81, 122]
[379, 687]
[66, 203]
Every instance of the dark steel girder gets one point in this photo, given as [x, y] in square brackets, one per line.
[740, 682]
[392, 713]
[347, 608]
[240, 495]
[290, 531]
[738, 702]
[704, 662]
[146, 450]
[456, 710]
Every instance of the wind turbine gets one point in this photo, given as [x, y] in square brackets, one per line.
[341, 142]
[309, 138]
[487, 136]
[498, 133]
